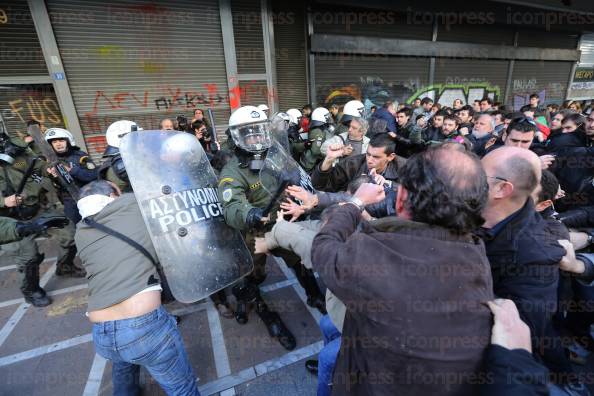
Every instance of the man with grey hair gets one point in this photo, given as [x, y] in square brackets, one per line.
[166, 124]
[482, 134]
[353, 142]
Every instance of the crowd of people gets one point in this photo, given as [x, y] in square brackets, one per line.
[451, 243]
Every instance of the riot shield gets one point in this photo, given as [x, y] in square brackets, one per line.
[176, 190]
[280, 170]
[279, 128]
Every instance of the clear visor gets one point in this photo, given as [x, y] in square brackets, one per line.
[254, 138]
[279, 124]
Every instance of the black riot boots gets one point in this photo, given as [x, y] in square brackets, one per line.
[274, 324]
[249, 294]
[245, 293]
[66, 267]
[32, 292]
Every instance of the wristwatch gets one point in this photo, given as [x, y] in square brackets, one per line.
[357, 202]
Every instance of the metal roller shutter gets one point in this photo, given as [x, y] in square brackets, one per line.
[21, 103]
[19, 47]
[290, 55]
[139, 61]
[470, 79]
[547, 79]
[547, 39]
[253, 92]
[495, 35]
[372, 79]
[587, 48]
[247, 31]
[366, 22]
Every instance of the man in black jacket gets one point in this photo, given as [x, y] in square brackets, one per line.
[522, 248]
[574, 164]
[380, 156]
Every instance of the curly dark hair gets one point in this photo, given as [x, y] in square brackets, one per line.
[446, 188]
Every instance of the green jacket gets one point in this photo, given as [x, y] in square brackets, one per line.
[116, 271]
[11, 175]
[239, 191]
[8, 230]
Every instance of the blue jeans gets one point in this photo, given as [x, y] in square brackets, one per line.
[152, 341]
[327, 356]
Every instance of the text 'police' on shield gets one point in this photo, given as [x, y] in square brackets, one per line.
[169, 212]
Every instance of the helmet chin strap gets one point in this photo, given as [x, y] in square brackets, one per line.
[253, 161]
[256, 163]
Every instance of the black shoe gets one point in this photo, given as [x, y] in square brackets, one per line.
[71, 271]
[312, 366]
[279, 331]
[38, 298]
[241, 316]
[318, 303]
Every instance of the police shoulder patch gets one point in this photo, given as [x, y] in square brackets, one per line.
[227, 195]
[226, 180]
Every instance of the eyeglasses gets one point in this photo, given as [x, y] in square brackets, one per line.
[498, 178]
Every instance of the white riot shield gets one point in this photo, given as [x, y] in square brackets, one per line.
[176, 189]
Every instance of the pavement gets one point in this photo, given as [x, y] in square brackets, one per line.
[49, 351]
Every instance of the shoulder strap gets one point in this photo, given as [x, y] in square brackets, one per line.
[92, 223]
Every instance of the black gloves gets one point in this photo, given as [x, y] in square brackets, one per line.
[39, 225]
[254, 217]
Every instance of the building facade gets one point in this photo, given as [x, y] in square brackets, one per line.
[84, 64]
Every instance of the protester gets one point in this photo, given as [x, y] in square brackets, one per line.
[380, 157]
[166, 124]
[130, 326]
[387, 113]
[378, 344]
[353, 142]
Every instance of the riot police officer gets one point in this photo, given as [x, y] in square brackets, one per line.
[296, 142]
[320, 129]
[15, 160]
[112, 169]
[244, 199]
[352, 108]
[78, 164]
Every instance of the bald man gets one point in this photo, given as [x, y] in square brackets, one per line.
[523, 251]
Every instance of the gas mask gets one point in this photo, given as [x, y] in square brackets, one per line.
[8, 150]
[117, 164]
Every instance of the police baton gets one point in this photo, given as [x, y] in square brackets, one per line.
[213, 147]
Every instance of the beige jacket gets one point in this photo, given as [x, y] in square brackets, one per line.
[298, 237]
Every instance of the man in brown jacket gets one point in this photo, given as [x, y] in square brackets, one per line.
[414, 285]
